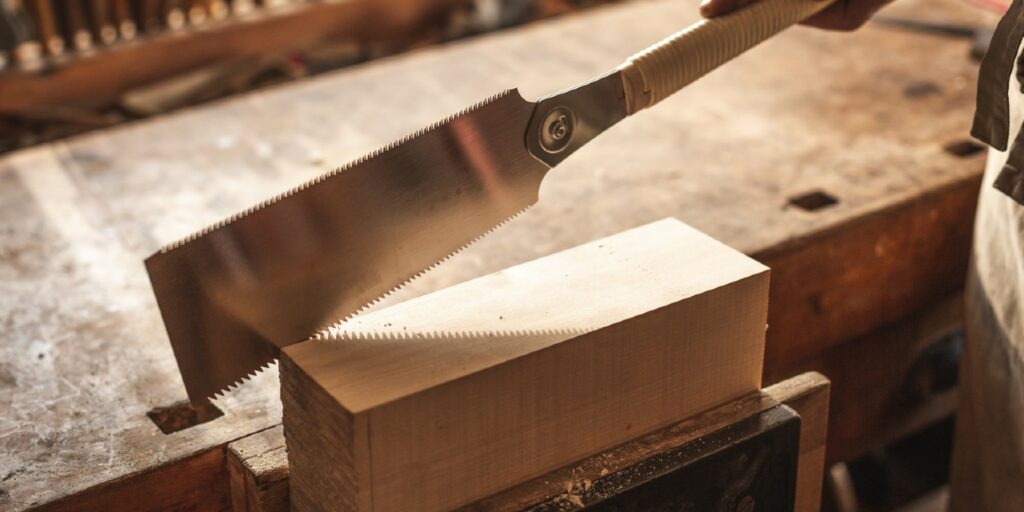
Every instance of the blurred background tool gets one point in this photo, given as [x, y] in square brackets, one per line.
[76, 26]
[217, 9]
[46, 25]
[124, 59]
[174, 14]
[242, 7]
[122, 13]
[102, 21]
[196, 11]
[18, 42]
[147, 15]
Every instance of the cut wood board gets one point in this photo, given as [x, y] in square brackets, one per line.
[452, 396]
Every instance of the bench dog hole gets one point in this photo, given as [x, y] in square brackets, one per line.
[814, 200]
[181, 415]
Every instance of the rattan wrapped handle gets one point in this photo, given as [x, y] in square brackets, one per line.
[662, 69]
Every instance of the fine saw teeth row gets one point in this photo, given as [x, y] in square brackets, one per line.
[334, 172]
[448, 335]
[325, 333]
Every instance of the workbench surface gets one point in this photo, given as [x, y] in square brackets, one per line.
[863, 118]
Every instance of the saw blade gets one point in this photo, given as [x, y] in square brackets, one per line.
[234, 294]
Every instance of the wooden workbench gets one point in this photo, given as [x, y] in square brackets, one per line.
[858, 287]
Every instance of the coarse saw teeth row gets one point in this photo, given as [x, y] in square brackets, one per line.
[221, 393]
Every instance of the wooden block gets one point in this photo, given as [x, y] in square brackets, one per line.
[452, 396]
[259, 467]
[808, 395]
[258, 472]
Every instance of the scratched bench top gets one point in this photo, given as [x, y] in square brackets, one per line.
[861, 119]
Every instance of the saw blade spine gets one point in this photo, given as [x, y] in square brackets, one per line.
[331, 173]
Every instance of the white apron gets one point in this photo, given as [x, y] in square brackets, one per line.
[988, 459]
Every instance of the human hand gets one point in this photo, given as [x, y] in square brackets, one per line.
[843, 15]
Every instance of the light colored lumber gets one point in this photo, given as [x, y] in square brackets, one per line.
[808, 395]
[569, 484]
[452, 396]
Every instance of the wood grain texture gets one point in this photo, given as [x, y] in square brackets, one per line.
[452, 396]
[192, 483]
[806, 393]
[334, 484]
[258, 467]
[867, 273]
[83, 353]
[82, 368]
[567, 483]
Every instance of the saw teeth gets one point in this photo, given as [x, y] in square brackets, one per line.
[237, 384]
[325, 334]
[329, 174]
[341, 334]
[234, 370]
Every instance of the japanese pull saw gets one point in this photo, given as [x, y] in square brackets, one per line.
[232, 295]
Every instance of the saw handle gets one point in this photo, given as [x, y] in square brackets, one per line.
[673, 63]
